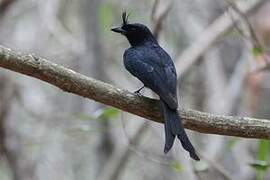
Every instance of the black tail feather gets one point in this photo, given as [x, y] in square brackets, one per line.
[169, 136]
[173, 127]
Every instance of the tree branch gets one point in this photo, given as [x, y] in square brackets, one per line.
[76, 83]
[4, 5]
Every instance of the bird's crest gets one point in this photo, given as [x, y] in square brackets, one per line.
[125, 17]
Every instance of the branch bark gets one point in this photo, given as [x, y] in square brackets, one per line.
[73, 82]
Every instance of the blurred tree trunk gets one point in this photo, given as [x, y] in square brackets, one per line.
[92, 64]
[7, 93]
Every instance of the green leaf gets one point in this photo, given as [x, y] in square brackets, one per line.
[105, 17]
[176, 166]
[231, 142]
[201, 166]
[257, 51]
[233, 33]
[104, 114]
[261, 164]
[263, 150]
[108, 113]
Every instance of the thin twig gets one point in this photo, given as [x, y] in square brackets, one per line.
[217, 167]
[159, 13]
[254, 39]
[221, 25]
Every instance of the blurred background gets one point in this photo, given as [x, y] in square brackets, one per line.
[220, 49]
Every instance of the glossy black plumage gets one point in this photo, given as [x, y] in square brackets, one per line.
[147, 61]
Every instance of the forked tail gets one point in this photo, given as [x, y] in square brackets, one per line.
[173, 127]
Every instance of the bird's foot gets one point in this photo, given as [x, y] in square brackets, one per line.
[138, 91]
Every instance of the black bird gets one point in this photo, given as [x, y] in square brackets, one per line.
[152, 65]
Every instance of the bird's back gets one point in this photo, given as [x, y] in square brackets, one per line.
[154, 67]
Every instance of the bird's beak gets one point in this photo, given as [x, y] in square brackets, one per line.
[118, 30]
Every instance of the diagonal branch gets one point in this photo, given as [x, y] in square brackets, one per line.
[76, 83]
[4, 5]
[207, 38]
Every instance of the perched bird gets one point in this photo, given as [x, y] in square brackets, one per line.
[152, 65]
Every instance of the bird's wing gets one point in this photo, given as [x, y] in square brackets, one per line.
[156, 72]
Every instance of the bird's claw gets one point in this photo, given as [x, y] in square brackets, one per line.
[138, 93]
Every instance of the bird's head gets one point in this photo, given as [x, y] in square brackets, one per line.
[136, 33]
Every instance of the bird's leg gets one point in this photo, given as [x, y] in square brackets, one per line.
[138, 91]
